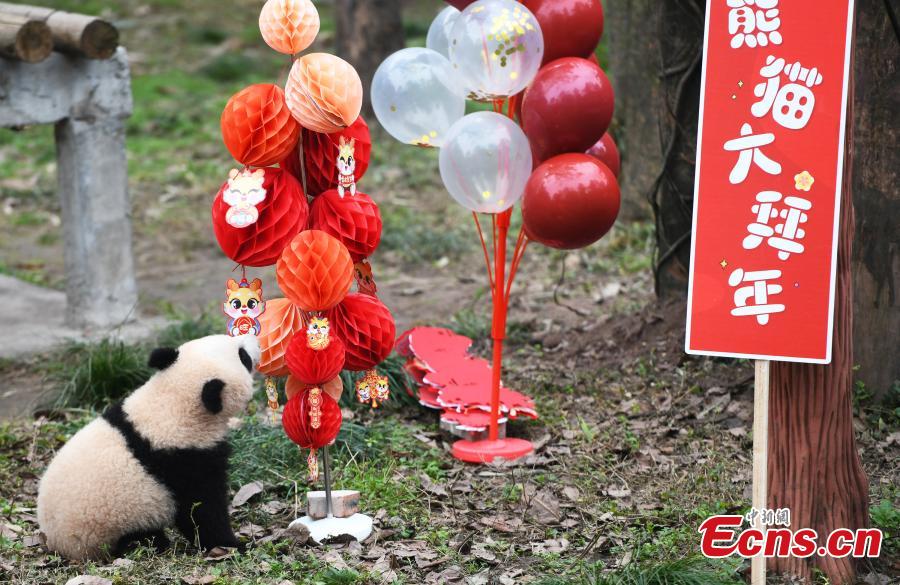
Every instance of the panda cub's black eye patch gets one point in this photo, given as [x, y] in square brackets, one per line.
[162, 357]
[212, 395]
[245, 359]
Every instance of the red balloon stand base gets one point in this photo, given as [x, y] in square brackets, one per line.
[487, 451]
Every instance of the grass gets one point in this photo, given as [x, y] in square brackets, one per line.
[693, 570]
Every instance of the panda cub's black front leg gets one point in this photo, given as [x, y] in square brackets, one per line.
[206, 523]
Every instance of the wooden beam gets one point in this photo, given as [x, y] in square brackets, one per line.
[26, 39]
[80, 34]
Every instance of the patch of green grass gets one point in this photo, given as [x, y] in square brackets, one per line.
[417, 238]
[93, 375]
[693, 570]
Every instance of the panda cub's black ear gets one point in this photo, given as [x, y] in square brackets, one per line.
[162, 357]
[211, 395]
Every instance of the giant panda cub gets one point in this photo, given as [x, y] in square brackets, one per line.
[155, 459]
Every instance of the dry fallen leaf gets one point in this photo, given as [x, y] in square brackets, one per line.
[218, 553]
[199, 579]
[88, 580]
[615, 492]
[544, 508]
[246, 492]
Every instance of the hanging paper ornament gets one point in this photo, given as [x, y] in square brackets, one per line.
[312, 366]
[282, 214]
[245, 191]
[320, 153]
[571, 28]
[333, 387]
[567, 108]
[317, 333]
[570, 201]
[365, 281]
[607, 152]
[289, 26]
[367, 328]
[354, 221]
[278, 325]
[312, 420]
[243, 305]
[272, 397]
[257, 126]
[315, 271]
[324, 92]
[373, 389]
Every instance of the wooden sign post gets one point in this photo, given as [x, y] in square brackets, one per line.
[770, 152]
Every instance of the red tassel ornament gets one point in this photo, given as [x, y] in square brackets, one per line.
[312, 420]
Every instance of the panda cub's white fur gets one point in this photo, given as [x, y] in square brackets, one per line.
[156, 459]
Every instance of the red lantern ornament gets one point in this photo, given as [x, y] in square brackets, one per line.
[607, 152]
[571, 28]
[320, 152]
[312, 366]
[312, 419]
[367, 328]
[570, 201]
[257, 126]
[281, 216]
[354, 220]
[315, 271]
[567, 108]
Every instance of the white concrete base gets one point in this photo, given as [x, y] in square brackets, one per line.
[359, 526]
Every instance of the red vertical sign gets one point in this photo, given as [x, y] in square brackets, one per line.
[767, 191]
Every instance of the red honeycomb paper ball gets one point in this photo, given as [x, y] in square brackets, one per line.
[297, 423]
[257, 127]
[320, 152]
[282, 214]
[353, 219]
[367, 328]
[312, 366]
[315, 271]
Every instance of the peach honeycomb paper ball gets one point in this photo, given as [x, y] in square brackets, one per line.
[289, 26]
[324, 92]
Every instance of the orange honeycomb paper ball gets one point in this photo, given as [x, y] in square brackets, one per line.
[278, 324]
[367, 328]
[315, 271]
[289, 26]
[257, 126]
[324, 92]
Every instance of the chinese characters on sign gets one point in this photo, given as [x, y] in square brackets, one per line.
[769, 166]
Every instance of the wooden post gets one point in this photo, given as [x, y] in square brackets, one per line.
[25, 39]
[760, 460]
[84, 35]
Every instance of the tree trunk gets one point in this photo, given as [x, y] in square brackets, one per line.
[814, 468]
[367, 32]
[633, 54]
[876, 258]
[681, 55]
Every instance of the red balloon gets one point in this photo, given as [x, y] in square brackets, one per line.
[353, 219]
[282, 215]
[312, 366]
[567, 108]
[570, 201]
[607, 152]
[571, 28]
[320, 152]
[459, 4]
[312, 419]
[367, 328]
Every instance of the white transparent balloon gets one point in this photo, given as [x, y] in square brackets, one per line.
[485, 162]
[416, 96]
[496, 47]
[438, 38]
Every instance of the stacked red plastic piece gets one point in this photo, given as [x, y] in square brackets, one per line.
[450, 379]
